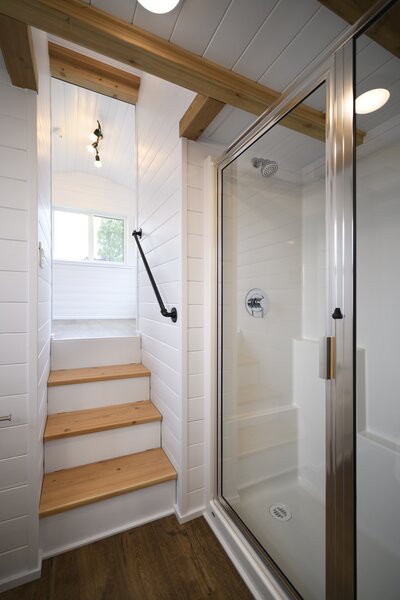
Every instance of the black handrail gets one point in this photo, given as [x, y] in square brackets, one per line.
[173, 312]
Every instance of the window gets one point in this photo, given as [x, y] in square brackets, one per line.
[88, 237]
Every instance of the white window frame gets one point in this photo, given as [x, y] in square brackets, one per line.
[91, 214]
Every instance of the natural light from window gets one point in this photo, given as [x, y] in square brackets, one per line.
[85, 237]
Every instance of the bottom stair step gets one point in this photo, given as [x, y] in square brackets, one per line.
[70, 488]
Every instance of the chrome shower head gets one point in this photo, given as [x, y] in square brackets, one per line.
[267, 167]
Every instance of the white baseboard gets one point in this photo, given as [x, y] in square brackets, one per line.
[193, 514]
[21, 578]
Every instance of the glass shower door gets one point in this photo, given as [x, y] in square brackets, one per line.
[273, 272]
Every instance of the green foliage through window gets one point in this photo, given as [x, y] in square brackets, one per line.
[109, 239]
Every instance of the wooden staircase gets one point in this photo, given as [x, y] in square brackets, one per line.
[104, 468]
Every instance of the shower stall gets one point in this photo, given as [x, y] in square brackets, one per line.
[308, 425]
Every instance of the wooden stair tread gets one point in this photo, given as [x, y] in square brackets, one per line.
[68, 424]
[88, 374]
[70, 488]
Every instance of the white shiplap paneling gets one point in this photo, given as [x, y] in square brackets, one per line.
[24, 201]
[14, 106]
[160, 215]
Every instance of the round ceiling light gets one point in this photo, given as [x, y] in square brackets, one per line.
[159, 6]
[371, 100]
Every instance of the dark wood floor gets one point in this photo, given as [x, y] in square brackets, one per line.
[159, 561]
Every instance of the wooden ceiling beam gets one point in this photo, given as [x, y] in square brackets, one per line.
[385, 32]
[17, 48]
[97, 30]
[198, 116]
[91, 74]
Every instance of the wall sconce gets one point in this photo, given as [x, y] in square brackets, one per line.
[93, 148]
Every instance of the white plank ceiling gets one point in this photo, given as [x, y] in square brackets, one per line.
[269, 41]
[75, 112]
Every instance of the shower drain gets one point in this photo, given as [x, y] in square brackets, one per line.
[280, 512]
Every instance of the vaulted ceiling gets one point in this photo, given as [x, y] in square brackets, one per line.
[75, 112]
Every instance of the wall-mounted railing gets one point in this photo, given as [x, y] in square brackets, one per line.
[172, 314]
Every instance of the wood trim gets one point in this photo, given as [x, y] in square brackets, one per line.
[303, 119]
[94, 75]
[89, 374]
[16, 45]
[91, 420]
[99, 31]
[385, 32]
[198, 116]
[69, 488]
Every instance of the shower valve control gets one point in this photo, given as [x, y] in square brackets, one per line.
[256, 303]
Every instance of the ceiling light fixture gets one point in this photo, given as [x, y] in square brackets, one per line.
[159, 6]
[93, 148]
[371, 101]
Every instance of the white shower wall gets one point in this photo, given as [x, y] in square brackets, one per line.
[269, 257]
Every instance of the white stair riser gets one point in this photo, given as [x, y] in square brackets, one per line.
[79, 396]
[87, 524]
[102, 445]
[94, 352]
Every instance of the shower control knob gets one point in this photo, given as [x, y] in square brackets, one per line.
[337, 314]
[256, 303]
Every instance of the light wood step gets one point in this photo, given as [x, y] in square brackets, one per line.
[88, 374]
[80, 422]
[71, 488]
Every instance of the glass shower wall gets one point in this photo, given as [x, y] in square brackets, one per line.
[377, 316]
[273, 304]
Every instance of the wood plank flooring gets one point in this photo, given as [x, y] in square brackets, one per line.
[158, 561]
[88, 374]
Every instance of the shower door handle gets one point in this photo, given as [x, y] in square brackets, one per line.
[327, 358]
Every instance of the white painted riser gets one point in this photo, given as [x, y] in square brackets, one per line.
[86, 524]
[93, 447]
[94, 352]
[66, 398]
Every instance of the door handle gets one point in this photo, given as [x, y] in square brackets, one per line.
[327, 358]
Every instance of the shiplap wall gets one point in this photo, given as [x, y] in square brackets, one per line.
[44, 234]
[22, 178]
[161, 217]
[196, 154]
[94, 291]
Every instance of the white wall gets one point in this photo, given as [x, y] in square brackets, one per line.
[24, 177]
[196, 153]
[269, 257]
[171, 213]
[90, 291]
[161, 216]
[42, 273]
[378, 329]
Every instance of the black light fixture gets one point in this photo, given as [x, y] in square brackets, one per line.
[93, 148]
